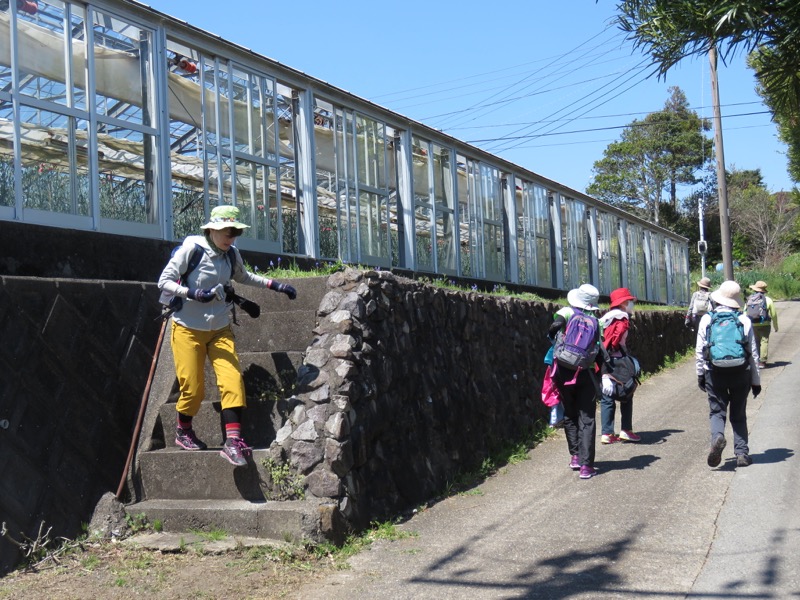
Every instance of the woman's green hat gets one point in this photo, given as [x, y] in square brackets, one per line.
[224, 216]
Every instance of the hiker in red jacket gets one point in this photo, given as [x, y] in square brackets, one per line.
[616, 324]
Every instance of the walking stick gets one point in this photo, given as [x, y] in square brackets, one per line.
[142, 409]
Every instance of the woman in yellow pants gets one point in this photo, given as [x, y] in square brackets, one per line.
[201, 327]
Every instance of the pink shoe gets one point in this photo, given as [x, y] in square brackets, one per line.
[609, 438]
[629, 436]
[574, 463]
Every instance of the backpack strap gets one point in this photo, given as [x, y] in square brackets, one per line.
[194, 260]
[231, 254]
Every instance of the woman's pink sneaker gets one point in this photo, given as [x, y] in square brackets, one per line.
[629, 436]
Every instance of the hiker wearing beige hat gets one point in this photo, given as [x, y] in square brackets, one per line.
[761, 311]
[726, 360]
[199, 273]
[699, 304]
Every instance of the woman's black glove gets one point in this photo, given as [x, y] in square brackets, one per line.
[284, 288]
[203, 295]
[701, 382]
[756, 390]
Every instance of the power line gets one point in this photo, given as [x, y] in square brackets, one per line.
[637, 124]
[613, 116]
[482, 106]
[640, 70]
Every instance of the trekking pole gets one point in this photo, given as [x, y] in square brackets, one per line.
[142, 409]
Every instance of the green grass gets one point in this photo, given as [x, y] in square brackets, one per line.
[289, 269]
[511, 453]
[783, 279]
[215, 535]
[356, 543]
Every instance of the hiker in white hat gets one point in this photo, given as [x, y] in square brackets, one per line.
[197, 274]
[726, 360]
[576, 382]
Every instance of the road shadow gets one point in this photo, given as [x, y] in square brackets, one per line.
[773, 455]
[656, 437]
[573, 572]
[635, 463]
[777, 364]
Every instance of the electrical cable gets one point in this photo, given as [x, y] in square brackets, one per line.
[552, 63]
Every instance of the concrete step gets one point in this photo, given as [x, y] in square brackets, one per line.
[284, 325]
[177, 474]
[269, 379]
[288, 521]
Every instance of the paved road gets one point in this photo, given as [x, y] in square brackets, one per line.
[656, 523]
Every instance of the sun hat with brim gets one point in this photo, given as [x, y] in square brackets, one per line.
[759, 286]
[705, 283]
[224, 216]
[621, 296]
[728, 294]
[584, 297]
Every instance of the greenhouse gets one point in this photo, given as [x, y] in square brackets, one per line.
[117, 118]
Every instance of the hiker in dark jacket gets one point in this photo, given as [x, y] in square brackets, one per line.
[727, 387]
[201, 328]
[578, 388]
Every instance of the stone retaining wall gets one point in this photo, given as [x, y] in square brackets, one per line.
[74, 361]
[404, 385]
[407, 384]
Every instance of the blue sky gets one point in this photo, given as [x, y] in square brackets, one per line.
[547, 85]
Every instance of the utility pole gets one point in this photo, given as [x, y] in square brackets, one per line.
[724, 217]
[702, 247]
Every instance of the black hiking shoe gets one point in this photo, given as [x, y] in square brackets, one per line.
[715, 453]
[743, 460]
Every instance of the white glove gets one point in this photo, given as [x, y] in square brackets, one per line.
[608, 385]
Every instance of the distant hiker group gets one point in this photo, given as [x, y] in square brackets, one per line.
[589, 358]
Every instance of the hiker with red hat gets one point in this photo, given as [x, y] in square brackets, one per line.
[616, 324]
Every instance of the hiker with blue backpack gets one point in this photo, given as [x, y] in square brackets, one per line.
[726, 359]
[577, 351]
[762, 314]
[196, 283]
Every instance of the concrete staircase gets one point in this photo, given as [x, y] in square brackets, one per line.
[201, 490]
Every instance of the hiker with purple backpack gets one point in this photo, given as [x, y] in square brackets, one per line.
[577, 350]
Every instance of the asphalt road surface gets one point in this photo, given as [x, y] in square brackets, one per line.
[656, 523]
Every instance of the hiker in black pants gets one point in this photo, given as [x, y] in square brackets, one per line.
[718, 374]
[578, 388]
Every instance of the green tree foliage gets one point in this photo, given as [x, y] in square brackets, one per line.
[652, 158]
[786, 116]
[764, 224]
[670, 30]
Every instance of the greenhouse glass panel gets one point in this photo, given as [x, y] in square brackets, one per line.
[123, 65]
